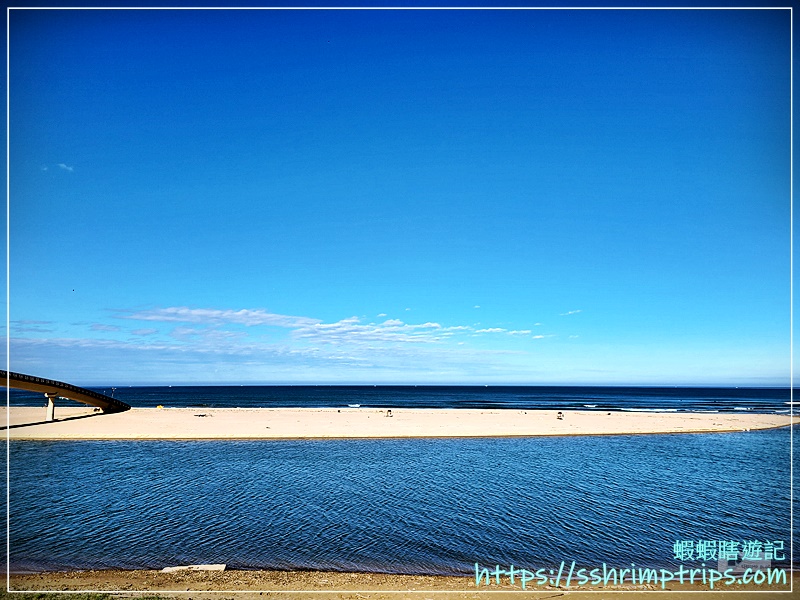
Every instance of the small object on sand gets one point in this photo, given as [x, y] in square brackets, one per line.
[560, 416]
[194, 568]
[389, 413]
[160, 406]
[202, 415]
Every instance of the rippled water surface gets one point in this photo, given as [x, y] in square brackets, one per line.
[408, 506]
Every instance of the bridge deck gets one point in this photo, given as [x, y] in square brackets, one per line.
[63, 390]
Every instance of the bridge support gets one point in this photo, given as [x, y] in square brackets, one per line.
[51, 405]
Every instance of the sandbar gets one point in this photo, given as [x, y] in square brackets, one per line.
[78, 423]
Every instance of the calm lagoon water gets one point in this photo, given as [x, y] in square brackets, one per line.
[403, 506]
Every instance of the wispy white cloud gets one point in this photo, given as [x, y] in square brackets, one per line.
[348, 331]
[144, 332]
[211, 336]
[32, 326]
[392, 323]
[185, 333]
[248, 317]
[258, 338]
[351, 330]
[207, 356]
[572, 312]
[64, 167]
[103, 327]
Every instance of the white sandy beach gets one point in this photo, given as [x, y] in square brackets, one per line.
[298, 423]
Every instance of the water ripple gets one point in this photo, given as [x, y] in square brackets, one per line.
[409, 506]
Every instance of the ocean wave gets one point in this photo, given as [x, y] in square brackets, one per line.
[650, 409]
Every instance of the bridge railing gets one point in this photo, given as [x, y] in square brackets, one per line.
[10, 375]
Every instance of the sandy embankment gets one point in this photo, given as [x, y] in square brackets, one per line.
[299, 423]
[373, 586]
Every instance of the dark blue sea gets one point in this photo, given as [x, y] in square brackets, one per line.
[772, 400]
[433, 506]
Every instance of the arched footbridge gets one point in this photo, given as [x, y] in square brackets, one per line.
[57, 389]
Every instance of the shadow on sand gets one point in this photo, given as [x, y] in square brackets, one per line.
[6, 427]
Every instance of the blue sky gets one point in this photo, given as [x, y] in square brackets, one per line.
[487, 197]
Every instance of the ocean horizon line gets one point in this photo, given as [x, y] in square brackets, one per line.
[446, 385]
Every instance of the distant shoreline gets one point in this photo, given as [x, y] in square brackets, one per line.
[77, 423]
